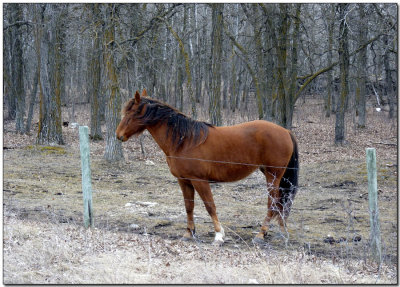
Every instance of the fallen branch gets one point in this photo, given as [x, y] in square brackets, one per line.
[389, 144]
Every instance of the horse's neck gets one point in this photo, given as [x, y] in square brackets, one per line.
[159, 133]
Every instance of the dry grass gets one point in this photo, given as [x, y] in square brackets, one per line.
[53, 253]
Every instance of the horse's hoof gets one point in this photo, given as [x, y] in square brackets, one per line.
[217, 243]
[258, 241]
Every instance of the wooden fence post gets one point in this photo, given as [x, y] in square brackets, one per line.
[86, 176]
[375, 234]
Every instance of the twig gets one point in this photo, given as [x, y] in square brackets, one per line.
[389, 144]
[376, 94]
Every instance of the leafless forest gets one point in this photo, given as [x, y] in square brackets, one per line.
[328, 72]
[221, 56]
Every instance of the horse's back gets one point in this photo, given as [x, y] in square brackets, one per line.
[259, 133]
[252, 142]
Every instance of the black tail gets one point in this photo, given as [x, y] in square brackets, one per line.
[289, 181]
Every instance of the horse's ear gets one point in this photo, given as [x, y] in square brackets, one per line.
[137, 97]
[144, 93]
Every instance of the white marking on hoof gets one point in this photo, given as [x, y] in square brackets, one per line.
[219, 236]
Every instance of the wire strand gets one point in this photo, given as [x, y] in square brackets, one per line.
[229, 162]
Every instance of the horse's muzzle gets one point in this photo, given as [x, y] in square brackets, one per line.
[121, 138]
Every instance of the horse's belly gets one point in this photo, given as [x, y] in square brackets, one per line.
[218, 172]
[234, 173]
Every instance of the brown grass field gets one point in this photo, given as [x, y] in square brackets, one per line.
[139, 213]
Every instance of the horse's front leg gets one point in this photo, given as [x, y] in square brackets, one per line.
[188, 196]
[204, 190]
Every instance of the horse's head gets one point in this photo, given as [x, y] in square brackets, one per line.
[130, 123]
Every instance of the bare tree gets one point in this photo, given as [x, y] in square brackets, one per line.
[95, 75]
[275, 54]
[51, 75]
[344, 72]
[216, 58]
[17, 72]
[361, 71]
[330, 98]
[113, 150]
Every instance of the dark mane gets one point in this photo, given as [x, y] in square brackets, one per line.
[181, 127]
[128, 106]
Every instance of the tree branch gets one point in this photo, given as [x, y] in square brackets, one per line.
[326, 69]
[244, 58]
[185, 56]
[153, 22]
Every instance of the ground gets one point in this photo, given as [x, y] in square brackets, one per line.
[139, 214]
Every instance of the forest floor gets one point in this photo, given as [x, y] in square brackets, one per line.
[139, 213]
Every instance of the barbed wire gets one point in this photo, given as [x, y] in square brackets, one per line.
[230, 162]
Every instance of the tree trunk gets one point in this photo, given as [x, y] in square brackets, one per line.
[388, 79]
[32, 100]
[7, 60]
[281, 69]
[179, 83]
[216, 58]
[271, 45]
[291, 95]
[234, 84]
[361, 69]
[17, 70]
[344, 71]
[198, 66]
[261, 82]
[95, 77]
[270, 83]
[50, 126]
[330, 102]
[113, 151]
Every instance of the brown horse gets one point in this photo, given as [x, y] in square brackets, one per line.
[198, 153]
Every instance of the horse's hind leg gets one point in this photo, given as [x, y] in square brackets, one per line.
[188, 196]
[274, 208]
[271, 213]
[204, 190]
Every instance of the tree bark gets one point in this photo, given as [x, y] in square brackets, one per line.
[344, 71]
[198, 66]
[271, 45]
[7, 60]
[50, 126]
[330, 99]
[361, 69]
[216, 52]
[388, 79]
[291, 95]
[95, 77]
[32, 100]
[281, 60]
[113, 150]
[17, 70]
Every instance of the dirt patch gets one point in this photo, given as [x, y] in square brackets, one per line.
[139, 197]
